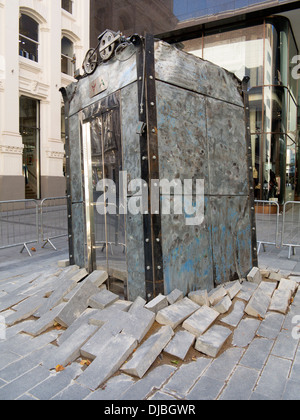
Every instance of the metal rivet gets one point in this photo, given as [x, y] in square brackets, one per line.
[147, 240]
[148, 268]
[154, 158]
[152, 104]
[157, 240]
[159, 267]
[144, 158]
[151, 77]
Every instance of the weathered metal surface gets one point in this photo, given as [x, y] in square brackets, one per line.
[200, 134]
[194, 74]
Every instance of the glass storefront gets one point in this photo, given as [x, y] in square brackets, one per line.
[263, 52]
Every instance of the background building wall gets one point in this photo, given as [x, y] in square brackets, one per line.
[40, 80]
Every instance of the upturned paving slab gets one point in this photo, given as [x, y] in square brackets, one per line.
[43, 323]
[103, 299]
[146, 354]
[77, 304]
[98, 277]
[245, 332]
[175, 314]
[180, 344]
[234, 318]
[258, 304]
[216, 295]
[175, 296]
[158, 303]
[200, 297]
[201, 320]
[139, 323]
[254, 276]
[117, 351]
[281, 301]
[213, 340]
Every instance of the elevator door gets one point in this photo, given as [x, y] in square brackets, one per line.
[102, 165]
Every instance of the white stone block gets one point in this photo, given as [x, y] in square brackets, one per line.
[200, 297]
[175, 314]
[254, 276]
[213, 340]
[200, 321]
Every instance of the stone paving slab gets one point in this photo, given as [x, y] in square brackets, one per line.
[146, 354]
[24, 311]
[70, 349]
[175, 314]
[234, 318]
[139, 323]
[213, 340]
[281, 301]
[201, 320]
[103, 299]
[180, 344]
[245, 332]
[42, 324]
[118, 349]
[77, 304]
[200, 297]
[258, 305]
[158, 303]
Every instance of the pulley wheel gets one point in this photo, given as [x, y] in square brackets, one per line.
[106, 40]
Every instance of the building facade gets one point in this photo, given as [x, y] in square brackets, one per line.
[258, 39]
[41, 43]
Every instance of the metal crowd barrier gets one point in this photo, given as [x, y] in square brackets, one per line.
[267, 223]
[19, 224]
[291, 226]
[54, 219]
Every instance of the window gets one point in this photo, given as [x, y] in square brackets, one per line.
[67, 56]
[28, 38]
[67, 5]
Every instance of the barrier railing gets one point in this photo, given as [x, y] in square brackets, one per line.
[19, 224]
[267, 223]
[291, 226]
[54, 219]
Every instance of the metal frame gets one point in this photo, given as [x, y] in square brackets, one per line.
[30, 241]
[291, 246]
[250, 171]
[276, 242]
[48, 239]
[149, 164]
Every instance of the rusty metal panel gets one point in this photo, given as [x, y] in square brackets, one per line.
[231, 237]
[227, 149]
[189, 72]
[132, 165]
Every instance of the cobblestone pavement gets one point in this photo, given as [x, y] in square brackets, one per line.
[264, 366]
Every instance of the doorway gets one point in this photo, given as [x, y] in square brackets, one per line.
[30, 132]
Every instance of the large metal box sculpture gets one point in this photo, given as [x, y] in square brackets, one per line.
[148, 114]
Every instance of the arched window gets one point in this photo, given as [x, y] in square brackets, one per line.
[67, 56]
[28, 37]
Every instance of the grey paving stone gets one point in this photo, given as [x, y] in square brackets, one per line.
[292, 391]
[222, 367]
[257, 353]
[70, 349]
[117, 351]
[273, 378]
[271, 326]
[185, 377]
[139, 302]
[211, 342]
[113, 388]
[200, 297]
[24, 310]
[258, 304]
[245, 332]
[102, 299]
[158, 303]
[285, 346]
[161, 396]
[175, 314]
[6, 358]
[267, 287]
[56, 297]
[55, 383]
[295, 372]
[10, 300]
[83, 319]
[240, 385]
[24, 383]
[234, 318]
[217, 294]
[96, 345]
[15, 343]
[25, 364]
[77, 304]
[38, 342]
[43, 323]
[280, 301]
[224, 305]
[233, 288]
[247, 290]
[139, 323]
[98, 277]
[205, 389]
[201, 320]
[180, 344]
[153, 380]
[73, 392]
[175, 296]
[254, 276]
[147, 353]
[288, 284]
